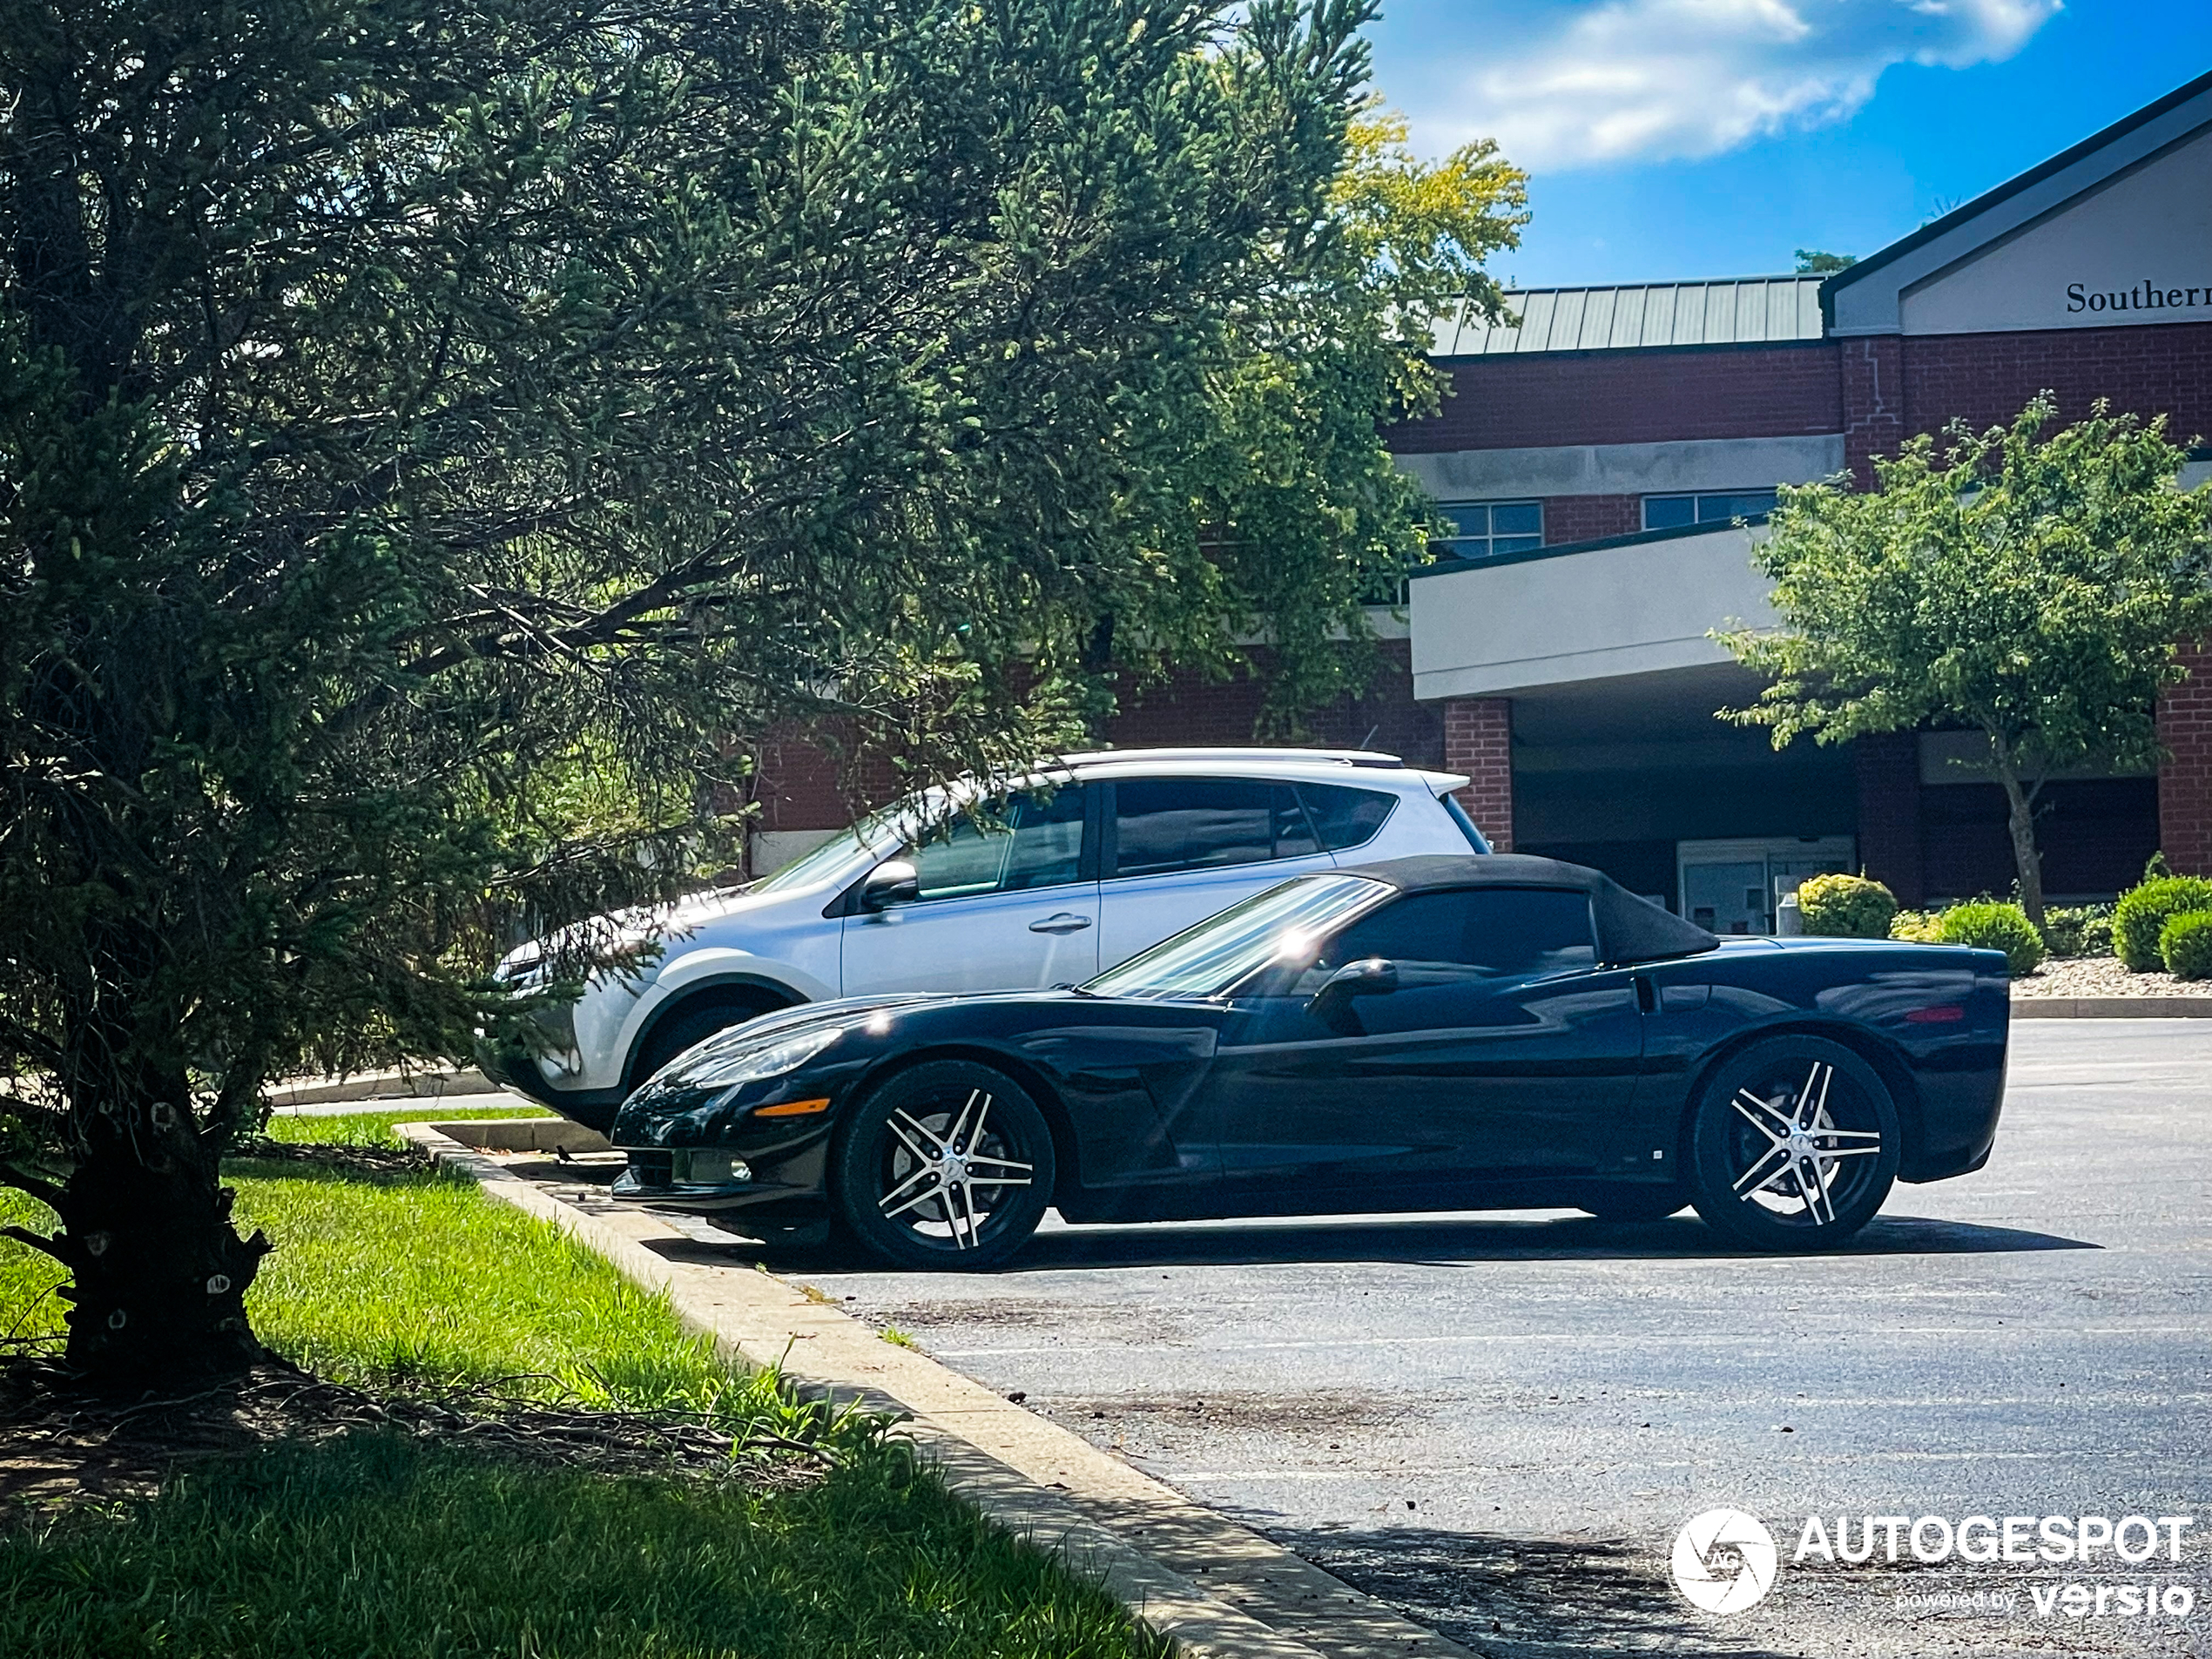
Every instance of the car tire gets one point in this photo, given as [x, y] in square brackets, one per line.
[1794, 1144]
[1628, 1203]
[902, 1182]
[692, 1024]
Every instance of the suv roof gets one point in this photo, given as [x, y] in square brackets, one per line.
[1367, 758]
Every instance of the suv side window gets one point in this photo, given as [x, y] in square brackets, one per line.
[1162, 824]
[1346, 818]
[1037, 841]
[1489, 933]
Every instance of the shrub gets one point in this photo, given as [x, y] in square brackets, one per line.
[1995, 926]
[1917, 927]
[1846, 906]
[2079, 930]
[2143, 913]
[2185, 945]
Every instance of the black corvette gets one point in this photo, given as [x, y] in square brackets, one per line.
[1428, 1033]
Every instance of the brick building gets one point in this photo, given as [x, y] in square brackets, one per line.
[1594, 459]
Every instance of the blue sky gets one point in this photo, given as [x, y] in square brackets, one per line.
[1678, 138]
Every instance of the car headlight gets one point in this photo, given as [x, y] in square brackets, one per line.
[751, 1065]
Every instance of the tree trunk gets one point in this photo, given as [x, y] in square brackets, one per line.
[159, 1274]
[2020, 820]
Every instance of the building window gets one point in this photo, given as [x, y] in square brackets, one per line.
[1482, 530]
[1673, 512]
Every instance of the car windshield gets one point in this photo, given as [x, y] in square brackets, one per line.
[874, 830]
[1219, 954]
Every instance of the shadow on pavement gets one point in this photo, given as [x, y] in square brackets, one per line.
[1431, 1240]
[1422, 1240]
[1519, 1598]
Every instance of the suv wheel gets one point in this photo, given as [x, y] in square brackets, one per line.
[1794, 1145]
[693, 1023]
[948, 1165]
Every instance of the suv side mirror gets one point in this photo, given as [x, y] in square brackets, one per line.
[1331, 1004]
[892, 882]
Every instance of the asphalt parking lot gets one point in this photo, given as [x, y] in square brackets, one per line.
[1497, 1422]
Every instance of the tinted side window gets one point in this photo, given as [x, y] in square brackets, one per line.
[1515, 933]
[1346, 818]
[1165, 824]
[1035, 842]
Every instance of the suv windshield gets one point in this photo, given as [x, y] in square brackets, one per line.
[831, 856]
[1220, 952]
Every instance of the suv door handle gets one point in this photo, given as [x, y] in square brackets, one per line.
[1066, 922]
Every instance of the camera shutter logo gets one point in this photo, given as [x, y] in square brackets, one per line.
[1724, 1560]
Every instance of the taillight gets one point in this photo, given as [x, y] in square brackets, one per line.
[1941, 1014]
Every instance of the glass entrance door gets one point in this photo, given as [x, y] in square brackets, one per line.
[1733, 886]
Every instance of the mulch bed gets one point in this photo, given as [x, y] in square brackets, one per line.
[60, 1446]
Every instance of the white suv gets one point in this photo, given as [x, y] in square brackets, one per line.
[1080, 868]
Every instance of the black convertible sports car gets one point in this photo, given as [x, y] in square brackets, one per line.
[1426, 1034]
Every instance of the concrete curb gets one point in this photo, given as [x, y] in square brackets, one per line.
[2112, 1008]
[435, 1084]
[1257, 1601]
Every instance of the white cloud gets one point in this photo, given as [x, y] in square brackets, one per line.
[1645, 80]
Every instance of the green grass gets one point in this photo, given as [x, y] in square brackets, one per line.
[379, 1546]
[372, 1127]
[373, 1544]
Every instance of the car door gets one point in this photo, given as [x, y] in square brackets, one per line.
[1178, 850]
[1505, 1054]
[1005, 905]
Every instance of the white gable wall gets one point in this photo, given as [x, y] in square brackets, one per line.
[2138, 250]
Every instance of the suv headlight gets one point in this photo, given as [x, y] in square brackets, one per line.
[751, 1065]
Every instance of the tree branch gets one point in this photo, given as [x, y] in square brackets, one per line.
[47, 1192]
[40, 1243]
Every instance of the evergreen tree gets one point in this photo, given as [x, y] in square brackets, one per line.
[433, 437]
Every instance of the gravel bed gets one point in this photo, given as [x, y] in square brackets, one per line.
[2103, 976]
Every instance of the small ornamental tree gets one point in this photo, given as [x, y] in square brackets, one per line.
[434, 438]
[2025, 584]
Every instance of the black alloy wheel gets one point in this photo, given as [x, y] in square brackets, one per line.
[1793, 1145]
[948, 1165]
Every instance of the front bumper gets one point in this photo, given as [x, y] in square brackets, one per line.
[513, 1068]
[788, 1189]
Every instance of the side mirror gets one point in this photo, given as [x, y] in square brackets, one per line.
[892, 882]
[1331, 1004]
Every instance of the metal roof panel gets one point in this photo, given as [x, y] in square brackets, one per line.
[1636, 316]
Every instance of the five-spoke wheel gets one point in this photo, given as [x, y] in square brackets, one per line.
[1793, 1145]
[949, 1165]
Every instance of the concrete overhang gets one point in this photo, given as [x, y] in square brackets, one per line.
[1638, 604]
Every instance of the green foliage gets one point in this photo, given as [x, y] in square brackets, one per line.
[1812, 262]
[2079, 930]
[1846, 906]
[2028, 587]
[1994, 925]
[440, 444]
[2142, 913]
[2185, 945]
[1917, 927]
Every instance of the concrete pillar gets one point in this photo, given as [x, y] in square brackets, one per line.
[1889, 812]
[2185, 778]
[1478, 740]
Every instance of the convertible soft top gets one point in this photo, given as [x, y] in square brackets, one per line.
[1629, 929]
